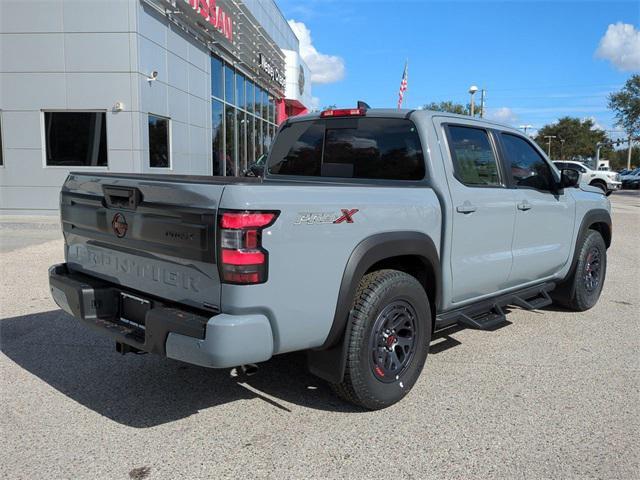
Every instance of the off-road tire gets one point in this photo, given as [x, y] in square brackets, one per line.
[575, 293]
[377, 292]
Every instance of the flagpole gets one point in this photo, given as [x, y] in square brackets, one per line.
[406, 63]
[404, 82]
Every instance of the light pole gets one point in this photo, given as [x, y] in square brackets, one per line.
[472, 90]
[549, 137]
[525, 128]
[482, 93]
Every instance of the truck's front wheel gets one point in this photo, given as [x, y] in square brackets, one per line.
[390, 330]
[582, 290]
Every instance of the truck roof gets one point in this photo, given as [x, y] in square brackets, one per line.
[405, 113]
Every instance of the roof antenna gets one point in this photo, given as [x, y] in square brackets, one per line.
[363, 105]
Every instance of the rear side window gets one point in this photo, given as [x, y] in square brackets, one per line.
[474, 160]
[528, 168]
[367, 148]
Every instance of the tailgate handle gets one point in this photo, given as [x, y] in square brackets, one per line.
[122, 197]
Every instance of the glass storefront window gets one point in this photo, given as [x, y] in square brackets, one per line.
[273, 132]
[251, 152]
[265, 105]
[243, 120]
[216, 78]
[229, 85]
[217, 136]
[242, 136]
[258, 138]
[230, 141]
[240, 90]
[250, 98]
[258, 102]
[266, 140]
[272, 110]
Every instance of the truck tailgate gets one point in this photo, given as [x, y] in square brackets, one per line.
[151, 233]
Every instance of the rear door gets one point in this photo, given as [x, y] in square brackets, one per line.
[544, 214]
[483, 214]
[151, 233]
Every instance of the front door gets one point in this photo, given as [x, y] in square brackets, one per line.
[544, 214]
[483, 213]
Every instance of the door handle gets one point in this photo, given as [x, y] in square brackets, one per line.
[524, 206]
[466, 207]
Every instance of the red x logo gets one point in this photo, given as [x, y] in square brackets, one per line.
[347, 216]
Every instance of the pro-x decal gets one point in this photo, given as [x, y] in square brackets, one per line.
[319, 218]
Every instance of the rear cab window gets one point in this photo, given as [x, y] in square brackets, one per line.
[358, 148]
[473, 156]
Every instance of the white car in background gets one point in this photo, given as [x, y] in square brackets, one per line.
[605, 180]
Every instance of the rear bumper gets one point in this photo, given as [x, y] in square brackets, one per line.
[217, 341]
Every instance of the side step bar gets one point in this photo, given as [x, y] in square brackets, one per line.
[489, 314]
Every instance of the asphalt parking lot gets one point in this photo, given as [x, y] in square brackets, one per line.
[553, 394]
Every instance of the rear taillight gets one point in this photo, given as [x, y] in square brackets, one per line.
[242, 259]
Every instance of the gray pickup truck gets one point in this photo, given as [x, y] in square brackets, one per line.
[370, 230]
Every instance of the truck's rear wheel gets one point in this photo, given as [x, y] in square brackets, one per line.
[390, 330]
[582, 290]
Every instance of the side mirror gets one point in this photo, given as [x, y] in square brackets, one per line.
[569, 178]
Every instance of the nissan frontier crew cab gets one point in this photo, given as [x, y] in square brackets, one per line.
[370, 230]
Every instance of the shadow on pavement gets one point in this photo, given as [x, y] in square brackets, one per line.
[148, 390]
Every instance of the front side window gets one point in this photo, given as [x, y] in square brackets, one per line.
[528, 168]
[473, 157]
[76, 139]
[159, 142]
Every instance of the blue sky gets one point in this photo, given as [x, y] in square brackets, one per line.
[536, 59]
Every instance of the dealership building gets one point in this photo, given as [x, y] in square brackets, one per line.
[148, 86]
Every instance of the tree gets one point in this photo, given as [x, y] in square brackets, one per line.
[626, 106]
[448, 106]
[580, 138]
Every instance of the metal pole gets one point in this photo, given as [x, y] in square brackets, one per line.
[629, 155]
[472, 106]
[549, 137]
[482, 103]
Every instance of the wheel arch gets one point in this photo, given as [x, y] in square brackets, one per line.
[598, 220]
[596, 182]
[412, 252]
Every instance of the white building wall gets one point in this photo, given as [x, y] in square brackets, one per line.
[181, 92]
[89, 55]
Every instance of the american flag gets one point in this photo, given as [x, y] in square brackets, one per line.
[403, 84]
